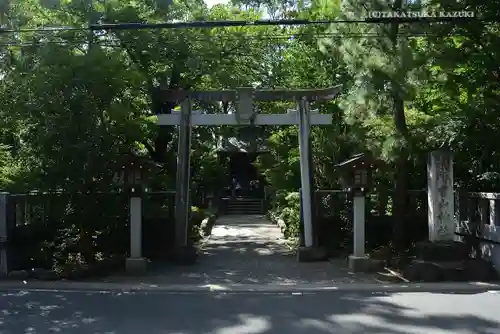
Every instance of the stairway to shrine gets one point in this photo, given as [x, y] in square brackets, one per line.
[245, 206]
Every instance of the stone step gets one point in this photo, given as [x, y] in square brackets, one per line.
[244, 202]
[244, 206]
[241, 205]
[241, 199]
[244, 211]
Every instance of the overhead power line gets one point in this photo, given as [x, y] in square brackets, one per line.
[229, 24]
[294, 22]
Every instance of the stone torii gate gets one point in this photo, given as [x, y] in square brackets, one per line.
[245, 115]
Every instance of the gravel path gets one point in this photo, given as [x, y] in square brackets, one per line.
[250, 250]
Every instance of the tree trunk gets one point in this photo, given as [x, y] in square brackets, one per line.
[402, 135]
[399, 237]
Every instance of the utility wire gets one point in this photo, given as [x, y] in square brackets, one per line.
[295, 22]
[277, 38]
[229, 24]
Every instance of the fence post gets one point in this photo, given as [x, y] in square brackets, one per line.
[4, 269]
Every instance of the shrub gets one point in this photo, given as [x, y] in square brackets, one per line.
[198, 231]
[286, 207]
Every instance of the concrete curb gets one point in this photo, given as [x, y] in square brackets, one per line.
[246, 288]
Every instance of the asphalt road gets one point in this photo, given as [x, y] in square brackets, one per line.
[37, 312]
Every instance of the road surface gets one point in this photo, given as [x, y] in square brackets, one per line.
[155, 312]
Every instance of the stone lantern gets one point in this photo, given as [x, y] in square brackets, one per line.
[132, 171]
[356, 177]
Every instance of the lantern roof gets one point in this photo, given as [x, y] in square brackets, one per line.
[132, 159]
[359, 160]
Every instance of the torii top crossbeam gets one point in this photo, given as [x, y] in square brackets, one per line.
[245, 112]
[256, 94]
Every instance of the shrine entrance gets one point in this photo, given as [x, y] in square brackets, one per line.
[241, 167]
[242, 113]
[239, 153]
[241, 174]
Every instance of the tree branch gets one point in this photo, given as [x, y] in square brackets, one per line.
[148, 147]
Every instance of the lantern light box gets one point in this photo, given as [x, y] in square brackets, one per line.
[356, 172]
[132, 171]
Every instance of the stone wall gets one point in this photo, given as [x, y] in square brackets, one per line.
[483, 209]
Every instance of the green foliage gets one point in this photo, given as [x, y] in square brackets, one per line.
[286, 209]
[69, 232]
[71, 102]
[7, 167]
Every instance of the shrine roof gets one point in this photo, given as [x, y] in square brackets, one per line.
[233, 144]
[358, 158]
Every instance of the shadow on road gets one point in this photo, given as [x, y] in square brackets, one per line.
[314, 313]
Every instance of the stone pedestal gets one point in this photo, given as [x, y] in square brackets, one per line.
[447, 261]
[359, 224]
[442, 251]
[358, 261]
[136, 265]
[135, 227]
[311, 254]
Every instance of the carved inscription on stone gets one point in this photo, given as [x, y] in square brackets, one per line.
[441, 199]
